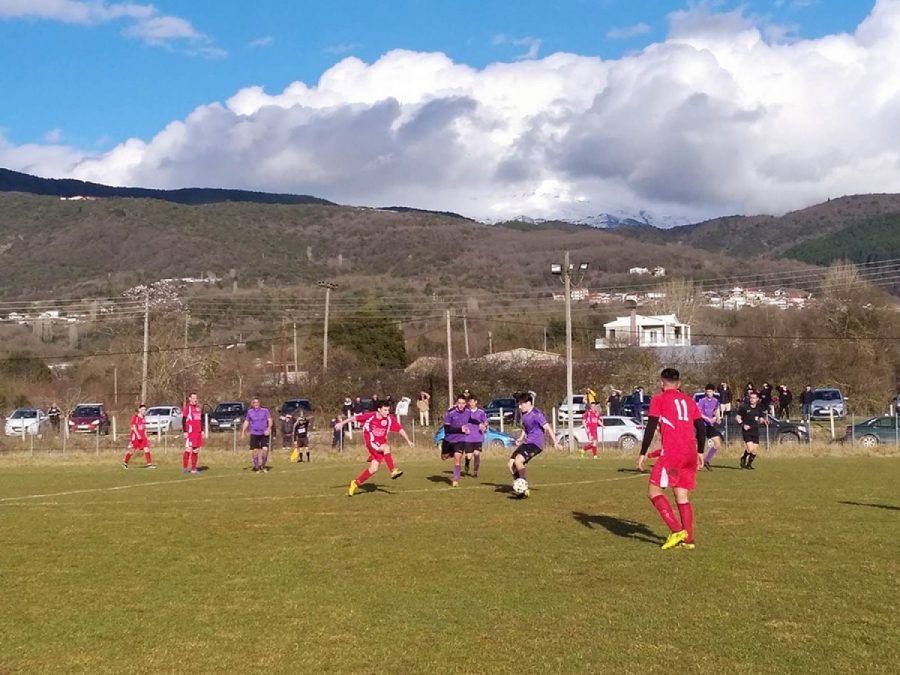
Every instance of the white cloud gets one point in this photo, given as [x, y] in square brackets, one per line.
[264, 41]
[144, 22]
[54, 136]
[628, 32]
[715, 119]
[341, 49]
[532, 45]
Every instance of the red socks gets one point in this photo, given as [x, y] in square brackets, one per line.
[686, 511]
[194, 456]
[147, 457]
[127, 457]
[389, 461]
[363, 477]
[185, 458]
[666, 513]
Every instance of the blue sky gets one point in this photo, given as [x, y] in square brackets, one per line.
[98, 87]
[683, 109]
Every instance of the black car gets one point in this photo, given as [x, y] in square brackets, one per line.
[776, 431]
[507, 405]
[293, 404]
[227, 416]
[632, 407]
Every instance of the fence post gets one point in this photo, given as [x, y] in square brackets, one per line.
[233, 439]
[98, 441]
[501, 420]
[831, 417]
[553, 422]
[114, 428]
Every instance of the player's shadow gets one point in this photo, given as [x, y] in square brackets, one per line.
[502, 488]
[628, 529]
[626, 470]
[368, 487]
[437, 478]
[887, 507]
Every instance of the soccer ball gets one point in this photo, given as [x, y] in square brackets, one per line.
[520, 486]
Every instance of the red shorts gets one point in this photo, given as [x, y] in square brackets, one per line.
[139, 444]
[193, 442]
[675, 471]
[375, 454]
[592, 433]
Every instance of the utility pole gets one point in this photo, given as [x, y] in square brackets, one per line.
[187, 324]
[545, 338]
[116, 385]
[328, 286]
[465, 335]
[490, 342]
[296, 365]
[146, 360]
[449, 362]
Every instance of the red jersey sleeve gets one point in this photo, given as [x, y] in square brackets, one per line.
[362, 418]
[394, 425]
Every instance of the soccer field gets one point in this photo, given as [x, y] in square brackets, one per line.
[797, 569]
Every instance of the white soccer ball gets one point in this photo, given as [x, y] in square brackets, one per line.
[520, 486]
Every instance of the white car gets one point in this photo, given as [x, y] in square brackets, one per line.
[625, 432]
[163, 419]
[578, 408]
[30, 421]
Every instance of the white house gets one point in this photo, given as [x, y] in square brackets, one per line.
[639, 270]
[664, 330]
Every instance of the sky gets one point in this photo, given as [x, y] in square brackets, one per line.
[681, 109]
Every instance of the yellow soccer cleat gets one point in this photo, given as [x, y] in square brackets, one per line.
[352, 489]
[674, 539]
[396, 473]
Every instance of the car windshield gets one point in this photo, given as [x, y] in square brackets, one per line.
[291, 406]
[828, 395]
[502, 403]
[24, 414]
[225, 408]
[86, 411]
[158, 412]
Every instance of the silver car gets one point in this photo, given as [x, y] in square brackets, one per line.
[26, 421]
[825, 401]
[163, 419]
[625, 432]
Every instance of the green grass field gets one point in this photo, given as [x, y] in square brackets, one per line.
[797, 569]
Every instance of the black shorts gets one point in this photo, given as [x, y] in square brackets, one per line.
[751, 436]
[259, 441]
[712, 432]
[471, 447]
[449, 449]
[285, 440]
[528, 451]
[302, 441]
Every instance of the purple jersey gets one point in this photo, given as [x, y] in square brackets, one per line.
[533, 423]
[708, 408]
[455, 418]
[258, 419]
[476, 417]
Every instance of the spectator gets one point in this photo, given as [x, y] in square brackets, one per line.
[766, 399]
[287, 430]
[785, 398]
[806, 399]
[356, 409]
[726, 398]
[347, 408]
[423, 405]
[614, 402]
[337, 432]
[745, 400]
[55, 414]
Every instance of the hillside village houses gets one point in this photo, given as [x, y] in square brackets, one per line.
[731, 299]
[664, 330]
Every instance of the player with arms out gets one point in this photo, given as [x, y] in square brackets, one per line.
[192, 423]
[375, 428]
[592, 423]
[137, 439]
[710, 411]
[683, 436]
[478, 424]
[531, 441]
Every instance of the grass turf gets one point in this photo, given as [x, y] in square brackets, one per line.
[796, 569]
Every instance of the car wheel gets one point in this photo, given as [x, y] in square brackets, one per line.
[788, 439]
[628, 442]
[564, 441]
[497, 443]
[869, 441]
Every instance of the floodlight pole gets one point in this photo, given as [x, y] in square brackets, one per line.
[570, 423]
[145, 362]
[328, 286]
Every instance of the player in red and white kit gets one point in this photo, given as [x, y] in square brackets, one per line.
[683, 437]
[375, 428]
[592, 423]
[192, 423]
[137, 439]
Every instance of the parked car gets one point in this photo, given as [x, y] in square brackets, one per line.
[163, 419]
[30, 421]
[777, 431]
[507, 404]
[578, 408]
[227, 416]
[292, 404]
[492, 438]
[874, 431]
[826, 400]
[626, 432]
[89, 418]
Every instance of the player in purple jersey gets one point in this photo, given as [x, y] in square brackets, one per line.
[711, 414]
[531, 441]
[478, 424]
[456, 431]
[259, 422]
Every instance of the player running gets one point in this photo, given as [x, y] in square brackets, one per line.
[530, 442]
[137, 439]
[478, 424]
[750, 416]
[592, 423]
[375, 427]
[710, 412]
[456, 434]
[683, 439]
[192, 423]
[259, 422]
